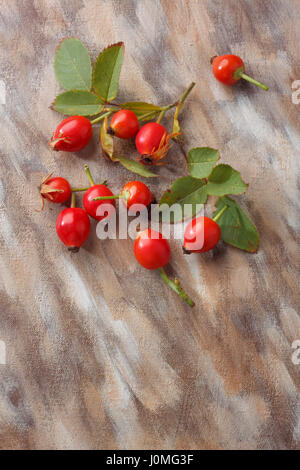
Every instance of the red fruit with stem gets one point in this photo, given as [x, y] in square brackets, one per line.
[124, 124]
[153, 142]
[153, 251]
[91, 203]
[56, 190]
[134, 192]
[230, 68]
[202, 234]
[72, 134]
[73, 226]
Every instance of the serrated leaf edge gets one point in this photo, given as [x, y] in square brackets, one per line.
[180, 178]
[121, 44]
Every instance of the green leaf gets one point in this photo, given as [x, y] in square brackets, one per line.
[201, 161]
[236, 229]
[144, 111]
[107, 70]
[185, 190]
[225, 180]
[77, 102]
[106, 140]
[72, 65]
[134, 166]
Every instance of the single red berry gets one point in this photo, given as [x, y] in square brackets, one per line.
[56, 190]
[73, 227]
[136, 192]
[91, 206]
[226, 68]
[230, 68]
[72, 134]
[152, 142]
[201, 234]
[124, 124]
[151, 249]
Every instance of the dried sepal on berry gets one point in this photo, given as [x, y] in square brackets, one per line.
[158, 154]
[56, 190]
[46, 189]
[54, 141]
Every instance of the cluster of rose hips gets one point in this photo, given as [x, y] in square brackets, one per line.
[152, 141]
[151, 249]
[73, 224]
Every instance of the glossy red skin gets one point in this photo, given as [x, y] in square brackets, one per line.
[201, 235]
[58, 183]
[73, 227]
[225, 66]
[125, 124]
[136, 192]
[149, 138]
[75, 133]
[91, 206]
[150, 252]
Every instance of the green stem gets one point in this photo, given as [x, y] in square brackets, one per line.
[111, 104]
[218, 215]
[73, 200]
[176, 287]
[76, 190]
[98, 119]
[181, 99]
[103, 198]
[252, 80]
[169, 106]
[88, 174]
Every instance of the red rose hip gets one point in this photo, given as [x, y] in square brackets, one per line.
[73, 227]
[56, 189]
[230, 68]
[201, 234]
[72, 134]
[91, 203]
[151, 249]
[136, 192]
[152, 142]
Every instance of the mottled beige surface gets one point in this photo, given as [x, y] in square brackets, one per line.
[101, 354]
